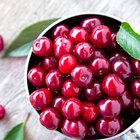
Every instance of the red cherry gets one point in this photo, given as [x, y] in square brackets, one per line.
[58, 103]
[78, 34]
[117, 55]
[112, 46]
[84, 51]
[42, 46]
[60, 30]
[100, 67]
[126, 100]
[136, 66]
[122, 68]
[1, 43]
[36, 76]
[55, 92]
[2, 112]
[90, 23]
[72, 108]
[94, 92]
[113, 85]
[74, 128]
[136, 105]
[54, 80]
[62, 46]
[99, 53]
[90, 112]
[70, 89]
[100, 36]
[91, 133]
[109, 107]
[135, 88]
[66, 63]
[108, 126]
[40, 98]
[50, 118]
[50, 63]
[82, 76]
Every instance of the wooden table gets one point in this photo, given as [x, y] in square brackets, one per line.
[14, 16]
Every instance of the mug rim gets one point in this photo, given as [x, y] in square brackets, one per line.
[42, 34]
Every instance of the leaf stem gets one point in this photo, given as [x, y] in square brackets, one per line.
[27, 117]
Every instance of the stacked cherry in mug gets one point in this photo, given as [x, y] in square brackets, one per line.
[84, 80]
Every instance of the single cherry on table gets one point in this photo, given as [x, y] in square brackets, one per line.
[2, 112]
[1, 43]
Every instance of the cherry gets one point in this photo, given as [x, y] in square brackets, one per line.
[109, 107]
[1, 43]
[100, 36]
[78, 34]
[94, 92]
[54, 80]
[58, 102]
[113, 85]
[136, 105]
[41, 98]
[82, 76]
[72, 108]
[50, 118]
[90, 23]
[55, 92]
[91, 133]
[135, 88]
[2, 111]
[136, 66]
[36, 76]
[90, 112]
[122, 68]
[60, 30]
[112, 46]
[126, 100]
[42, 46]
[76, 128]
[99, 53]
[66, 63]
[117, 55]
[100, 67]
[70, 89]
[84, 51]
[50, 63]
[62, 46]
[108, 126]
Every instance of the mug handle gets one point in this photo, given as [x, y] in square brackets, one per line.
[133, 134]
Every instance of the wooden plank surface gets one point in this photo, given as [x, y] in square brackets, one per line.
[17, 14]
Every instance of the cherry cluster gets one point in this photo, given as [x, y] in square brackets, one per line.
[84, 80]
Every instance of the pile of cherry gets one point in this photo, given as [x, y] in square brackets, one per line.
[84, 81]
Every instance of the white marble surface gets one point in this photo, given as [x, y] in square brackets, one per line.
[17, 14]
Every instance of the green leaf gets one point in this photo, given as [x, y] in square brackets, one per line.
[129, 40]
[17, 132]
[20, 51]
[25, 37]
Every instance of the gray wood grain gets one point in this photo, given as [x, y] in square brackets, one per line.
[15, 15]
